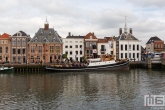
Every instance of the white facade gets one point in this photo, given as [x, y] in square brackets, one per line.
[110, 48]
[130, 49]
[74, 48]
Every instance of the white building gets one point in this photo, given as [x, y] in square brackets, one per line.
[106, 46]
[73, 46]
[127, 46]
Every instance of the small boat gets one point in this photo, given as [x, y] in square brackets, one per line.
[93, 65]
[6, 69]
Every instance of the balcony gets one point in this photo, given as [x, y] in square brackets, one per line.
[102, 50]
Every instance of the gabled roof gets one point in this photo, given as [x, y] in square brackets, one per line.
[5, 35]
[23, 33]
[44, 36]
[153, 39]
[102, 41]
[75, 37]
[127, 36]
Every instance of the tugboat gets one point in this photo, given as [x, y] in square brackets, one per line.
[96, 64]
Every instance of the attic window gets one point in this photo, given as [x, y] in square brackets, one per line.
[18, 34]
[36, 39]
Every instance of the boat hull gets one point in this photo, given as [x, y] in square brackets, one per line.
[6, 69]
[117, 66]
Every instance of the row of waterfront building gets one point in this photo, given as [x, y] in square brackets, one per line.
[48, 46]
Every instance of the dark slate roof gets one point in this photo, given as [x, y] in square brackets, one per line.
[23, 33]
[44, 36]
[153, 38]
[128, 36]
[142, 49]
[75, 37]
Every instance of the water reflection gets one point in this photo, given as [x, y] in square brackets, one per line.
[73, 91]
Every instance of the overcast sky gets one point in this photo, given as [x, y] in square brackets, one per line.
[103, 17]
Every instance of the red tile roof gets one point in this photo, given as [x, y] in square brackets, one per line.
[5, 35]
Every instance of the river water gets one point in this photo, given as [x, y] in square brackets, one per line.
[115, 90]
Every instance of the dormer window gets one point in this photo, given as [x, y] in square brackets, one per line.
[36, 39]
[18, 34]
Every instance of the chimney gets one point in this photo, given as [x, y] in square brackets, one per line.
[120, 31]
[130, 30]
[69, 34]
[46, 27]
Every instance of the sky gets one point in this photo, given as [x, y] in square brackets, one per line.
[103, 17]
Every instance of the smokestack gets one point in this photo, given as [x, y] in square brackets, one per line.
[69, 34]
[130, 30]
[120, 31]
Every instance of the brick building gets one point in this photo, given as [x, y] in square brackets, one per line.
[5, 48]
[45, 46]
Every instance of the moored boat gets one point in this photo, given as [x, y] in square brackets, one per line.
[93, 65]
[6, 69]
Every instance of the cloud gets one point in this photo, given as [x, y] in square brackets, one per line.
[148, 3]
[104, 18]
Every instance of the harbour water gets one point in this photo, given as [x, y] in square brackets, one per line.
[114, 90]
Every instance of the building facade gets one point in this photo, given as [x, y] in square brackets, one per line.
[73, 46]
[127, 46]
[5, 48]
[45, 46]
[155, 44]
[19, 47]
[90, 46]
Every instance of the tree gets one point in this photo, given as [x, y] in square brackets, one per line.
[64, 56]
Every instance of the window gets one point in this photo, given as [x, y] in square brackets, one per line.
[70, 41]
[23, 42]
[14, 59]
[0, 49]
[121, 47]
[158, 45]
[80, 41]
[14, 51]
[76, 46]
[32, 49]
[129, 46]
[129, 55]
[66, 46]
[87, 51]
[91, 52]
[19, 51]
[80, 52]
[6, 49]
[18, 58]
[18, 42]
[51, 49]
[70, 46]
[126, 47]
[66, 52]
[76, 41]
[87, 44]
[137, 55]
[66, 41]
[70, 52]
[76, 52]
[155, 45]
[121, 55]
[23, 51]
[133, 55]
[125, 55]
[161, 46]
[39, 49]
[13, 42]
[57, 48]
[0, 57]
[137, 47]
[133, 47]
